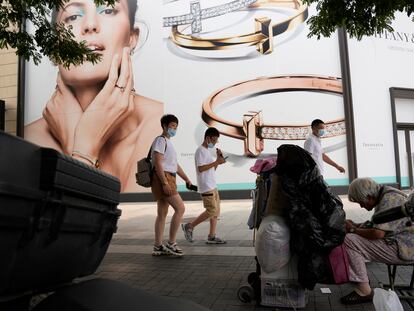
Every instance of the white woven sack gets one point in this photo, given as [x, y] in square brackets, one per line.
[272, 243]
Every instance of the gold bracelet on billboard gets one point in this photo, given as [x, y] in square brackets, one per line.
[253, 131]
[94, 162]
[261, 37]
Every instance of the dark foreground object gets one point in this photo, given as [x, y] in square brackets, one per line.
[57, 217]
[108, 295]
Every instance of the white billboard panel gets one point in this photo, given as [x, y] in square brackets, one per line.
[378, 63]
[287, 77]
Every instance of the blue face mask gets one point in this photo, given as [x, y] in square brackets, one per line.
[171, 132]
[321, 132]
[210, 145]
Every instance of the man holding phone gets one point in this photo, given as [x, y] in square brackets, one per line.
[206, 179]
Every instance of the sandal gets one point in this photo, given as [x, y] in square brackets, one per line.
[354, 298]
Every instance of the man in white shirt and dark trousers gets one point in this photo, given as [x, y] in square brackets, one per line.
[207, 187]
[314, 146]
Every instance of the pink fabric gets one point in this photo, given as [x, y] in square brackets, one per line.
[361, 250]
[263, 165]
[338, 258]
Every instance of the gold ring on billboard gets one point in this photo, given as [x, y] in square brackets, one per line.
[261, 37]
[122, 88]
[253, 131]
[197, 14]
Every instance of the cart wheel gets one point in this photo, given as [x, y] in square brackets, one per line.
[245, 293]
[252, 278]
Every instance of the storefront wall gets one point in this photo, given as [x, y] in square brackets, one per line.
[8, 88]
[185, 79]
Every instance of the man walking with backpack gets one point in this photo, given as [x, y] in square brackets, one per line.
[206, 178]
[164, 187]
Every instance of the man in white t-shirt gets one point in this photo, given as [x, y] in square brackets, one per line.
[314, 146]
[206, 179]
[164, 187]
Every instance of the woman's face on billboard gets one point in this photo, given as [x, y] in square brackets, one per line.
[105, 29]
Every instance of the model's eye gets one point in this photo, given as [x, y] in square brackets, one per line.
[106, 10]
[73, 15]
[71, 18]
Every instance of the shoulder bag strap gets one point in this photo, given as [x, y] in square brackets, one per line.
[149, 152]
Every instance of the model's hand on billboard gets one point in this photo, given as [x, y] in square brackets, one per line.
[113, 104]
[62, 114]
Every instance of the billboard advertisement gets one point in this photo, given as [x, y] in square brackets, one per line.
[245, 67]
[378, 63]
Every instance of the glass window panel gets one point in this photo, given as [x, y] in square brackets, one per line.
[403, 159]
[412, 153]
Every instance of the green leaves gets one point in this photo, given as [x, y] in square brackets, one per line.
[53, 41]
[359, 17]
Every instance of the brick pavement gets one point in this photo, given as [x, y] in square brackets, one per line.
[213, 281]
[210, 275]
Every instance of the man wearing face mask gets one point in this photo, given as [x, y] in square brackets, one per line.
[314, 146]
[206, 179]
[164, 187]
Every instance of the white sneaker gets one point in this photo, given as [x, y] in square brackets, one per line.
[215, 240]
[174, 250]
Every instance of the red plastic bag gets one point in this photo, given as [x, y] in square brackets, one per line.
[338, 258]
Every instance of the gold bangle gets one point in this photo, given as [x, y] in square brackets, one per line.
[253, 131]
[262, 37]
[94, 162]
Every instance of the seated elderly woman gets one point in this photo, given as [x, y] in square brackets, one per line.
[390, 243]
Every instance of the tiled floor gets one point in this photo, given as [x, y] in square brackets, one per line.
[213, 281]
[210, 275]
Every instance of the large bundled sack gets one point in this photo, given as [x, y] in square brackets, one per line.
[272, 243]
[316, 217]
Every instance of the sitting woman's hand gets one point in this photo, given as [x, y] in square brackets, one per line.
[62, 114]
[349, 224]
[113, 104]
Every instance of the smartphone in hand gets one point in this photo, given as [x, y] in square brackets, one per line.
[192, 187]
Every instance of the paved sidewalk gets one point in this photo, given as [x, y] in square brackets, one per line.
[209, 274]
